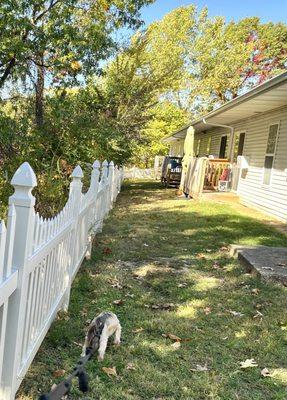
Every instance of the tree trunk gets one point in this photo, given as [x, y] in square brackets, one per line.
[40, 84]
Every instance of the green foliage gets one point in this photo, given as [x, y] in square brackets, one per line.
[166, 119]
[71, 36]
[177, 67]
[230, 58]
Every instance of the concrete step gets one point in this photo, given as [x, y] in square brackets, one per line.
[270, 263]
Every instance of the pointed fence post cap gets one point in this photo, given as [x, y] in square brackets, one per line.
[77, 173]
[105, 164]
[96, 164]
[24, 176]
[111, 165]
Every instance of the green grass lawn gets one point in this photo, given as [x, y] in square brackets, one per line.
[168, 261]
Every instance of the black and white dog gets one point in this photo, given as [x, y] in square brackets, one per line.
[101, 328]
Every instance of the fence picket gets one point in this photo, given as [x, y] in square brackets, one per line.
[39, 258]
[2, 248]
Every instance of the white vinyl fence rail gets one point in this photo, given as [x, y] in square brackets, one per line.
[39, 258]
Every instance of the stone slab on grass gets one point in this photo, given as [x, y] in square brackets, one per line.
[269, 262]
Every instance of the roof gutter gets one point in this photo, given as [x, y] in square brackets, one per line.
[231, 148]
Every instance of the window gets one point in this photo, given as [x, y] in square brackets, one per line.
[208, 145]
[239, 145]
[223, 145]
[270, 153]
[197, 148]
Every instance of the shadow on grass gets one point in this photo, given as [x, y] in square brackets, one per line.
[167, 253]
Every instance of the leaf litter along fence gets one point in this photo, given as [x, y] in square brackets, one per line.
[39, 259]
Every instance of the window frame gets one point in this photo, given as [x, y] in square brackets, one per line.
[226, 146]
[239, 133]
[267, 185]
[197, 147]
[208, 144]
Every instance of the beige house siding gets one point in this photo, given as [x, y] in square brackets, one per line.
[176, 148]
[273, 198]
[215, 135]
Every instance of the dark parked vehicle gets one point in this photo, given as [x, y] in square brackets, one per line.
[171, 171]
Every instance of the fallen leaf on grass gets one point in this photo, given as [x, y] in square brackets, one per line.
[255, 291]
[58, 373]
[200, 256]
[110, 371]
[172, 337]
[63, 315]
[216, 265]
[130, 366]
[129, 295]
[200, 368]
[77, 344]
[258, 314]
[165, 306]
[182, 285]
[84, 312]
[236, 313]
[224, 248]
[107, 250]
[207, 310]
[249, 363]
[176, 345]
[116, 286]
[265, 372]
[119, 302]
[138, 330]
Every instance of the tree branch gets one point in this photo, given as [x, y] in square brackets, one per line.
[7, 71]
[52, 4]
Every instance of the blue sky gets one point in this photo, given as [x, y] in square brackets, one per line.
[267, 10]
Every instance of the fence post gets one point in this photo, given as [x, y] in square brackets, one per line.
[95, 177]
[116, 183]
[94, 188]
[24, 180]
[76, 192]
[104, 173]
[111, 185]
[105, 182]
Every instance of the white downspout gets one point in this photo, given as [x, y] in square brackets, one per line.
[231, 149]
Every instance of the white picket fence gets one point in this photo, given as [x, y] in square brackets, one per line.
[39, 258]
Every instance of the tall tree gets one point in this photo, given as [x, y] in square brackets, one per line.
[63, 40]
[230, 58]
[203, 62]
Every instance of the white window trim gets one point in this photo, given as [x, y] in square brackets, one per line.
[197, 146]
[208, 144]
[265, 185]
[239, 133]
